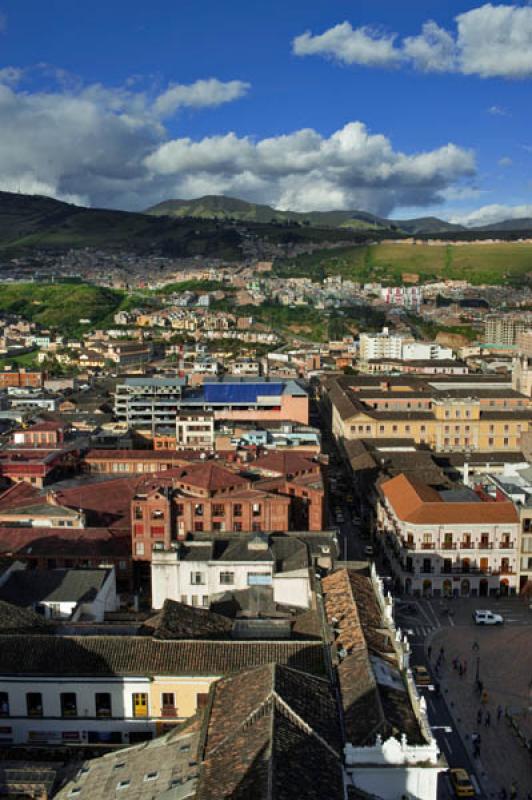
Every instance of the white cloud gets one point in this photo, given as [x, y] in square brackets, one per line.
[489, 41]
[497, 111]
[496, 212]
[109, 147]
[201, 94]
[11, 75]
[505, 161]
[352, 46]
[305, 171]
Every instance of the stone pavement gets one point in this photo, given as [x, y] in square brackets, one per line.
[506, 672]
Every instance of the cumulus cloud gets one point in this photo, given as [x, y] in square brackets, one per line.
[496, 212]
[352, 46]
[497, 111]
[489, 41]
[201, 94]
[306, 171]
[505, 161]
[110, 147]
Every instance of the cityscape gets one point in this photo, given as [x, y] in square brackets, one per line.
[265, 401]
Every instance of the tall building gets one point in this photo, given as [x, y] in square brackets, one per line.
[502, 330]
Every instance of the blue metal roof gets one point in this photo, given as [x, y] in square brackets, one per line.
[240, 392]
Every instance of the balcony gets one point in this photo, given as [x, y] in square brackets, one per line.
[506, 545]
[169, 711]
[448, 546]
[428, 546]
[504, 571]
[467, 546]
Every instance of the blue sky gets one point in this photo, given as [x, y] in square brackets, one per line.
[304, 105]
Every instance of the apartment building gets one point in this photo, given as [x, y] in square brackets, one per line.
[446, 414]
[202, 568]
[380, 345]
[193, 431]
[503, 330]
[450, 542]
[404, 296]
[208, 498]
[154, 402]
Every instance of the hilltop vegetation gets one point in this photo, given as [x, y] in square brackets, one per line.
[507, 262]
[60, 306]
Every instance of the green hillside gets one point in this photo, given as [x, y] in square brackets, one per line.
[60, 306]
[505, 262]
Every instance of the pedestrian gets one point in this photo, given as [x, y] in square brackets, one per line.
[455, 662]
[442, 653]
[480, 686]
[464, 665]
[487, 719]
[479, 717]
[460, 669]
[429, 651]
[499, 714]
[484, 697]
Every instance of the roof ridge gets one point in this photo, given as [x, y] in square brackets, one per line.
[294, 717]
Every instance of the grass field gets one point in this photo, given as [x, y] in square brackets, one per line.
[60, 306]
[507, 262]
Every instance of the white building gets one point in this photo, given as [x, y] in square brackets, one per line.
[200, 570]
[63, 594]
[380, 345]
[454, 542]
[426, 351]
[404, 296]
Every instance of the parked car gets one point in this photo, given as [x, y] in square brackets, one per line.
[421, 676]
[461, 783]
[485, 617]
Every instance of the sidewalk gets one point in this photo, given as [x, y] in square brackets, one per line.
[505, 670]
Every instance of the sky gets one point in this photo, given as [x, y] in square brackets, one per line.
[402, 109]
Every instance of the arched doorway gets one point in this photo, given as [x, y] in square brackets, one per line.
[427, 588]
[447, 588]
[466, 564]
[483, 587]
[504, 587]
[465, 587]
[408, 586]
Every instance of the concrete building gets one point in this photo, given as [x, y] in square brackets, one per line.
[447, 414]
[502, 330]
[196, 571]
[154, 402]
[450, 542]
[380, 345]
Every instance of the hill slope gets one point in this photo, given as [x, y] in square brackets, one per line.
[231, 208]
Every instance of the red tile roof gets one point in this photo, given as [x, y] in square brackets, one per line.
[212, 477]
[419, 504]
[74, 542]
[285, 463]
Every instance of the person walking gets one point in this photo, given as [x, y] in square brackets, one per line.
[479, 717]
[499, 712]
[464, 666]
[429, 651]
[487, 719]
[442, 652]
[484, 698]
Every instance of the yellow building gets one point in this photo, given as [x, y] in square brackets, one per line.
[445, 414]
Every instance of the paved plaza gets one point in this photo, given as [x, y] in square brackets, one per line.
[505, 669]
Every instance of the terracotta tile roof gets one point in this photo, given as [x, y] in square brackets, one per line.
[211, 477]
[142, 655]
[179, 621]
[273, 734]
[370, 704]
[284, 463]
[419, 504]
[14, 619]
[18, 495]
[71, 542]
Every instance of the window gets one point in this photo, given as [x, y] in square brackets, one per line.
[139, 548]
[179, 509]
[198, 509]
[151, 776]
[138, 529]
[227, 578]
[259, 579]
[198, 527]
[218, 510]
[4, 704]
[168, 708]
[184, 598]
[197, 578]
[201, 699]
[506, 441]
[34, 704]
[123, 784]
[194, 600]
[381, 428]
[205, 601]
[138, 512]
[237, 510]
[218, 526]
[140, 704]
[103, 704]
[255, 527]
[237, 527]
[69, 707]
[256, 509]
[490, 442]
[394, 428]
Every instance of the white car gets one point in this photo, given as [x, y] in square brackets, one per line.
[484, 617]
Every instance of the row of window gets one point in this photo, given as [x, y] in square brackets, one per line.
[102, 704]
